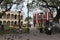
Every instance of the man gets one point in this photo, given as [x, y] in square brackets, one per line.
[49, 30]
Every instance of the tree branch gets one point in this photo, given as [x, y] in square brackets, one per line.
[1, 1]
[2, 13]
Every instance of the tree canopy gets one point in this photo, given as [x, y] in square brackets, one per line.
[6, 5]
[35, 4]
[28, 19]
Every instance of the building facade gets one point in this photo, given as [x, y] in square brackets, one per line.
[40, 18]
[12, 19]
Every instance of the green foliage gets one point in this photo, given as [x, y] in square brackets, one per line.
[53, 2]
[6, 27]
[7, 1]
[56, 29]
[28, 19]
[25, 30]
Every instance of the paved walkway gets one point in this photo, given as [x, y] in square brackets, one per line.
[33, 35]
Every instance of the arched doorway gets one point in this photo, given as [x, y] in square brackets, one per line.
[12, 23]
[8, 16]
[4, 22]
[12, 16]
[8, 22]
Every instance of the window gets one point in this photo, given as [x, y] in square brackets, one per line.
[15, 22]
[12, 23]
[8, 16]
[0, 15]
[0, 22]
[12, 16]
[4, 16]
[39, 17]
[8, 23]
[4, 22]
[15, 16]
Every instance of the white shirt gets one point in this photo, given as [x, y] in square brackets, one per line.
[49, 28]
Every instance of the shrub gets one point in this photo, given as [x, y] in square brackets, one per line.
[27, 30]
[6, 27]
[56, 29]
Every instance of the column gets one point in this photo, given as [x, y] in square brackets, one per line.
[47, 15]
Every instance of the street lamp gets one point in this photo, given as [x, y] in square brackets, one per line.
[19, 19]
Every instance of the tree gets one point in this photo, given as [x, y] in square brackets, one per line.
[54, 4]
[57, 4]
[28, 19]
[6, 5]
[50, 4]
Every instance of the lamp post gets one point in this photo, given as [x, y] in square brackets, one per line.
[19, 19]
